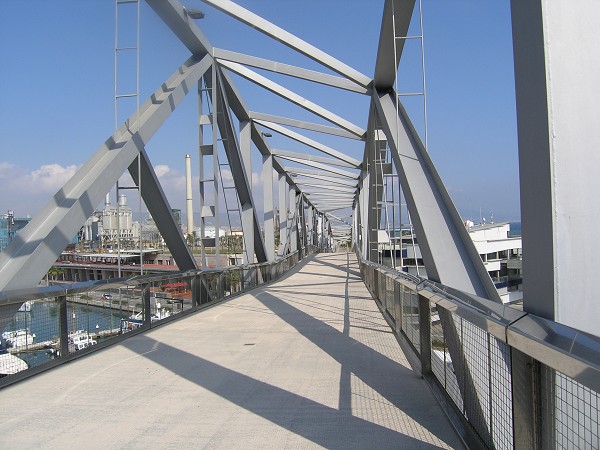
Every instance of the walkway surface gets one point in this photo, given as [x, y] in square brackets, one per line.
[305, 362]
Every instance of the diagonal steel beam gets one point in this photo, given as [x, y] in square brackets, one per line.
[325, 167]
[335, 131]
[318, 175]
[448, 252]
[158, 206]
[173, 15]
[307, 157]
[36, 247]
[310, 142]
[286, 38]
[286, 69]
[292, 97]
[308, 184]
[240, 177]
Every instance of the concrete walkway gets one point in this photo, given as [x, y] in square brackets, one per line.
[306, 362]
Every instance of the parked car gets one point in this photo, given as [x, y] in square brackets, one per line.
[106, 296]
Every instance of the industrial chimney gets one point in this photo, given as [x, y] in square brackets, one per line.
[188, 195]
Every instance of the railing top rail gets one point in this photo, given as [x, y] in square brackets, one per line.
[22, 295]
[568, 350]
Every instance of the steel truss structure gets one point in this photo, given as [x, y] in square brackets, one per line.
[323, 199]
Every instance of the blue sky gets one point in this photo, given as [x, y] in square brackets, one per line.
[56, 71]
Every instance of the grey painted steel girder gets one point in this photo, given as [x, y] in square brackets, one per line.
[332, 195]
[238, 170]
[286, 69]
[297, 173]
[24, 263]
[307, 157]
[310, 142]
[240, 110]
[448, 252]
[173, 15]
[160, 210]
[293, 97]
[325, 167]
[290, 40]
[306, 185]
[335, 131]
[396, 17]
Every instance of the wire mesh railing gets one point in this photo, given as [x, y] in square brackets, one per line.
[44, 327]
[515, 380]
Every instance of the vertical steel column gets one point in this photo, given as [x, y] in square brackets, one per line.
[293, 214]
[363, 198]
[282, 214]
[311, 225]
[557, 91]
[201, 198]
[247, 209]
[216, 169]
[269, 215]
[63, 326]
[375, 197]
[304, 241]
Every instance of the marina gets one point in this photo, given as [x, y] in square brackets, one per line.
[32, 336]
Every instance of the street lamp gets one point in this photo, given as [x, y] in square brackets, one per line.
[193, 13]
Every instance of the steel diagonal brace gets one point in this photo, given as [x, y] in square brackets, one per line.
[158, 206]
[292, 97]
[286, 38]
[448, 252]
[292, 71]
[324, 167]
[37, 246]
[240, 177]
[310, 142]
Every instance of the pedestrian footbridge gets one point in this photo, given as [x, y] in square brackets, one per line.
[299, 345]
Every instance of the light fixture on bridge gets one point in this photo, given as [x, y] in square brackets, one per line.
[193, 13]
[266, 134]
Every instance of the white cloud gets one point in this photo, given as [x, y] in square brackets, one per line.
[6, 169]
[162, 170]
[25, 191]
[49, 177]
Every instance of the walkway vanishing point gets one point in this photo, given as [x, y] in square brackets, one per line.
[304, 362]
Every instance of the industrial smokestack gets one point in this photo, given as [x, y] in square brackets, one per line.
[188, 195]
[107, 200]
[122, 200]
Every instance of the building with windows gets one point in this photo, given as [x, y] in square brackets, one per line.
[9, 227]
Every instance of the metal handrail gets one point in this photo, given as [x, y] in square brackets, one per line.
[566, 349]
[22, 295]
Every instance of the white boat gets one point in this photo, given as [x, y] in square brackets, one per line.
[11, 364]
[80, 339]
[18, 338]
[137, 320]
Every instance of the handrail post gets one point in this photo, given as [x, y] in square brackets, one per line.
[398, 292]
[425, 334]
[146, 306]
[196, 291]
[527, 401]
[63, 327]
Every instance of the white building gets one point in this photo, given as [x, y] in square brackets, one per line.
[499, 251]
